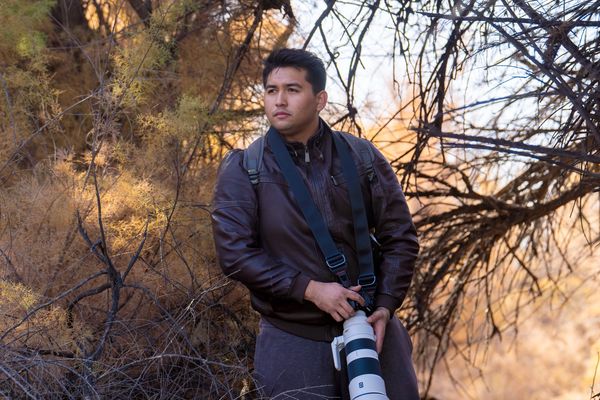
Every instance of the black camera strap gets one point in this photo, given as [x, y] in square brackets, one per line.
[334, 258]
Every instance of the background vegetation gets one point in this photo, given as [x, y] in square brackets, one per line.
[115, 113]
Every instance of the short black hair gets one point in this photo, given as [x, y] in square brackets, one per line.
[298, 58]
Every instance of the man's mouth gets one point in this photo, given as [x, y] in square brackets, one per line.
[281, 114]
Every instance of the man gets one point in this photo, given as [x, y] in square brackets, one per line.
[264, 241]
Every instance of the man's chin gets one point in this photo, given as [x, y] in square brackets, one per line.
[284, 129]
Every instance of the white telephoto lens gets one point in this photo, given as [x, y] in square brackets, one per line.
[364, 371]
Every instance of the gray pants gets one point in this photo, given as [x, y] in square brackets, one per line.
[290, 367]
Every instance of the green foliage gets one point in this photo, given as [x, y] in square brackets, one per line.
[135, 67]
[22, 22]
[29, 101]
[190, 114]
[168, 16]
[31, 45]
[139, 62]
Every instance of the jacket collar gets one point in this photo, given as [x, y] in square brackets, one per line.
[315, 140]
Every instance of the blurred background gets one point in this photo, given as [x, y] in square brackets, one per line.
[114, 115]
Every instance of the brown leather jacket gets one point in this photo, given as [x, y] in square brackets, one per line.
[263, 240]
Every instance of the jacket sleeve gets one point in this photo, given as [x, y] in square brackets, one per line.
[396, 233]
[235, 231]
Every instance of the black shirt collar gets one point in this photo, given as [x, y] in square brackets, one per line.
[315, 140]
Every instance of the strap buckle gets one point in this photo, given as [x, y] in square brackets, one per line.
[367, 291]
[367, 282]
[253, 175]
[336, 262]
[337, 265]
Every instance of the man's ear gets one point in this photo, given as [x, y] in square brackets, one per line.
[321, 100]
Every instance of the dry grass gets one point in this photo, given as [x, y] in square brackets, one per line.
[179, 329]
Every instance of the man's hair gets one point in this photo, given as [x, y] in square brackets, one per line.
[302, 59]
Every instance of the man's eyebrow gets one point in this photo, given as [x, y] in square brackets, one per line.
[295, 84]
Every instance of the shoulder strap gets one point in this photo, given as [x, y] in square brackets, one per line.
[364, 151]
[253, 157]
[362, 238]
[334, 258]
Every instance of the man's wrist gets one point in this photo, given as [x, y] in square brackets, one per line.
[385, 310]
[308, 292]
[387, 301]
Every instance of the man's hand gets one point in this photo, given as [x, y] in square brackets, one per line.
[332, 298]
[379, 320]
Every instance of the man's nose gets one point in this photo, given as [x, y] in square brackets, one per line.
[281, 98]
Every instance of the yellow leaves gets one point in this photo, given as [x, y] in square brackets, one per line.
[192, 111]
[143, 55]
[181, 125]
[127, 204]
[133, 67]
[31, 44]
[149, 124]
[128, 199]
[47, 327]
[15, 298]
[189, 117]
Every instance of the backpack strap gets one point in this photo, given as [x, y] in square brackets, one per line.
[364, 151]
[364, 251]
[253, 156]
[253, 159]
[334, 257]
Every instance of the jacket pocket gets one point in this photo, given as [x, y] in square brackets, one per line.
[339, 179]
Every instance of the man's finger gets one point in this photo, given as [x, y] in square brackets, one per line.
[344, 305]
[374, 317]
[379, 345]
[378, 338]
[349, 310]
[356, 297]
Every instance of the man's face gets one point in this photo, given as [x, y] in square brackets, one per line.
[290, 104]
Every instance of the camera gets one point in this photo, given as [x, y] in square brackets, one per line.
[364, 371]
